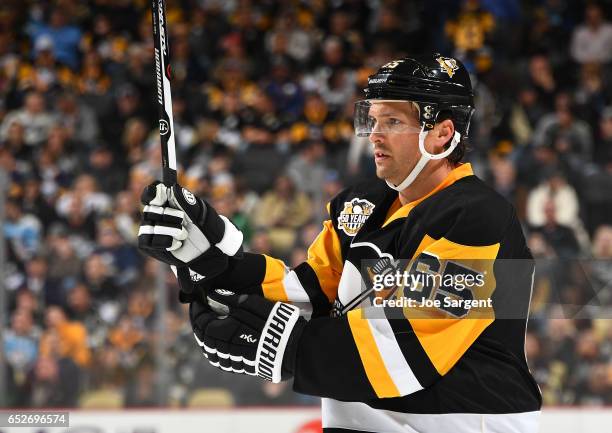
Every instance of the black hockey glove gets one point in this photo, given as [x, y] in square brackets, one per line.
[185, 231]
[247, 334]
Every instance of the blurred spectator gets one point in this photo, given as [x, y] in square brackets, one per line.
[20, 348]
[597, 181]
[140, 390]
[592, 41]
[23, 231]
[307, 168]
[140, 308]
[14, 141]
[602, 243]
[78, 119]
[592, 94]
[526, 112]
[44, 73]
[59, 147]
[80, 307]
[120, 256]
[125, 338]
[110, 374]
[64, 338]
[281, 211]
[108, 170]
[127, 105]
[603, 146]
[591, 384]
[133, 141]
[536, 357]
[283, 89]
[54, 383]
[308, 234]
[93, 84]
[560, 237]
[261, 242]
[61, 255]
[127, 216]
[471, 28]
[504, 176]
[554, 199]
[298, 256]
[98, 275]
[64, 36]
[602, 271]
[319, 123]
[332, 80]
[228, 205]
[35, 203]
[290, 37]
[37, 280]
[562, 131]
[26, 300]
[79, 206]
[542, 80]
[33, 117]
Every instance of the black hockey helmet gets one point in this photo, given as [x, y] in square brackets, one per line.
[436, 84]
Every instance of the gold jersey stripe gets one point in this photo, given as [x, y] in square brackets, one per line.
[372, 361]
[325, 258]
[448, 250]
[272, 285]
[446, 340]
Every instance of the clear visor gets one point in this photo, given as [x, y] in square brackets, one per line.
[384, 116]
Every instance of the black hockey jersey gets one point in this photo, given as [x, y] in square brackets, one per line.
[410, 372]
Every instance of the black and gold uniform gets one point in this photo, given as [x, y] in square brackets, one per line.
[439, 370]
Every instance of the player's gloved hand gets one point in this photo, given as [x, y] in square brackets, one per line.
[247, 334]
[185, 231]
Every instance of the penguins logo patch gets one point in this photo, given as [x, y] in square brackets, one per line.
[448, 64]
[354, 215]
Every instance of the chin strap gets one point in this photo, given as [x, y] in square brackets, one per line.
[425, 158]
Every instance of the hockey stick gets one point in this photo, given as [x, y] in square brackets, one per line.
[164, 95]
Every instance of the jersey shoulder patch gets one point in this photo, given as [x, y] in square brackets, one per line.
[352, 207]
[354, 214]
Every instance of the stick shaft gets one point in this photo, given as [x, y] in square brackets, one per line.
[164, 95]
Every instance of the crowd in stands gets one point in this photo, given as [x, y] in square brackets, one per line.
[263, 95]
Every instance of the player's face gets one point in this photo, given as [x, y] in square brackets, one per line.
[395, 153]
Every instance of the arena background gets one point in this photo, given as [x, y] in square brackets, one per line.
[263, 94]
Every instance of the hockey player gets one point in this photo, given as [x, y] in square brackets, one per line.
[442, 368]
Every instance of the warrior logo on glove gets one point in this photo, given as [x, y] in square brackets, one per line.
[189, 197]
[247, 334]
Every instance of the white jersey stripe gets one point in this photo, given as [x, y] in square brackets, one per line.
[294, 289]
[361, 417]
[393, 358]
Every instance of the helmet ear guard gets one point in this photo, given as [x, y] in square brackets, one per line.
[461, 115]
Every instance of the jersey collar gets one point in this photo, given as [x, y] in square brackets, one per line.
[457, 173]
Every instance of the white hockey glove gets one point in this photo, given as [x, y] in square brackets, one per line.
[184, 231]
[247, 334]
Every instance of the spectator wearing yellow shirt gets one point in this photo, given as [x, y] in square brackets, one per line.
[64, 338]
